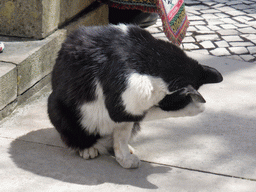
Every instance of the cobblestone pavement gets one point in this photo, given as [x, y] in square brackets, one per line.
[220, 28]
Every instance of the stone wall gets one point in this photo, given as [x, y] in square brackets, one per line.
[37, 18]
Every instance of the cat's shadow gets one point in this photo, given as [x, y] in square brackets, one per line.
[41, 152]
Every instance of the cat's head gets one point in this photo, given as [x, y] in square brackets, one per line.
[165, 78]
[183, 90]
[183, 76]
[169, 91]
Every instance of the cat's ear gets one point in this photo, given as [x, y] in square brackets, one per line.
[193, 93]
[211, 75]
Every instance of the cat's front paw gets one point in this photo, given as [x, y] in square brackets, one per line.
[130, 161]
[89, 153]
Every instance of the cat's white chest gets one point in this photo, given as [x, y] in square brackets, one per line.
[95, 117]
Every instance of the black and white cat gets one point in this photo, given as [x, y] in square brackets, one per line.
[107, 79]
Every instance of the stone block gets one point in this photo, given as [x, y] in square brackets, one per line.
[252, 49]
[200, 7]
[192, 23]
[209, 16]
[243, 19]
[214, 27]
[228, 20]
[235, 13]
[160, 36]
[188, 40]
[70, 8]
[207, 44]
[34, 59]
[221, 15]
[239, 50]
[202, 28]
[29, 18]
[249, 11]
[191, 28]
[220, 52]
[228, 26]
[40, 64]
[241, 44]
[221, 43]
[207, 37]
[248, 30]
[33, 90]
[200, 51]
[247, 57]
[189, 46]
[228, 32]
[8, 84]
[37, 18]
[98, 16]
[231, 38]
[195, 18]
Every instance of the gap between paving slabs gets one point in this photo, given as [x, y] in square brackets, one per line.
[201, 171]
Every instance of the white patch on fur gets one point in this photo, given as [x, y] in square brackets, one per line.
[95, 117]
[142, 93]
[123, 27]
[191, 109]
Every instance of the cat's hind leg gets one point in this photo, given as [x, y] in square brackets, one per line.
[103, 146]
[67, 123]
[89, 153]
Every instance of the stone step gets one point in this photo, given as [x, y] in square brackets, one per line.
[26, 64]
[25, 67]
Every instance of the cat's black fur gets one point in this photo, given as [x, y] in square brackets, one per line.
[97, 63]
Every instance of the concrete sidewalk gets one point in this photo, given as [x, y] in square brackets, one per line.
[214, 151]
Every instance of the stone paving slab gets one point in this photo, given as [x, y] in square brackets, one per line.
[31, 166]
[213, 151]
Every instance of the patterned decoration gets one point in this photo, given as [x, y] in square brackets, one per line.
[172, 13]
[174, 18]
